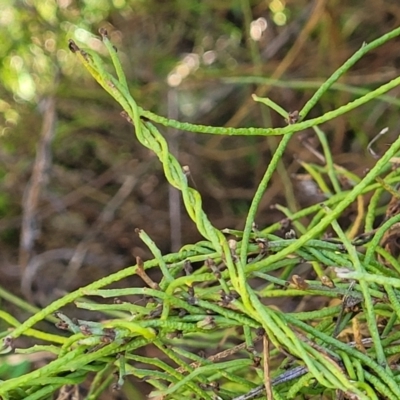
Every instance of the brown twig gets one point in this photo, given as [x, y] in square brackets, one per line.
[267, 375]
[142, 273]
[30, 229]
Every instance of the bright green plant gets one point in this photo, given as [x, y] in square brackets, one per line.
[302, 355]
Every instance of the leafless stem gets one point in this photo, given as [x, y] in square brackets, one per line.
[30, 229]
[142, 273]
[267, 375]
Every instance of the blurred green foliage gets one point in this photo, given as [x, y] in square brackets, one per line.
[33, 37]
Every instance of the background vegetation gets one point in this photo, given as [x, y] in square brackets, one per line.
[76, 183]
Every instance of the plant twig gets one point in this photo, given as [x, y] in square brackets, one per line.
[267, 375]
[30, 229]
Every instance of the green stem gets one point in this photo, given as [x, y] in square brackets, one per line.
[365, 48]
[341, 206]
[258, 196]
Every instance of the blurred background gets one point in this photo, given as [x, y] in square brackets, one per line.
[74, 181]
